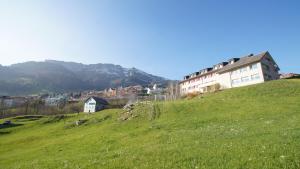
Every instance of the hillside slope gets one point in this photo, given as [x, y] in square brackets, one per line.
[251, 127]
[58, 76]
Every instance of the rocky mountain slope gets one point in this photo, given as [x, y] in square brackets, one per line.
[59, 76]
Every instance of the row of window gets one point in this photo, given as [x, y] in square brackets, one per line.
[199, 78]
[196, 86]
[266, 67]
[241, 70]
[267, 76]
[244, 69]
[245, 79]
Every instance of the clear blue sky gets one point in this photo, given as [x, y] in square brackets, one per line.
[169, 38]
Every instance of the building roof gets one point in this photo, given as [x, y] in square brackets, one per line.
[98, 100]
[242, 62]
[246, 60]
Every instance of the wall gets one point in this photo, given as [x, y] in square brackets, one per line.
[197, 84]
[270, 72]
[243, 76]
[90, 106]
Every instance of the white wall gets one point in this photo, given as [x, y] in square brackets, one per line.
[197, 84]
[243, 76]
[224, 80]
[90, 106]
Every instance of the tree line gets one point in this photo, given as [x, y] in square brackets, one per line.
[38, 107]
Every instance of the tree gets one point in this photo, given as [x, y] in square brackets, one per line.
[2, 107]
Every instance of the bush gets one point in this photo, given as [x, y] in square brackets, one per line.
[192, 95]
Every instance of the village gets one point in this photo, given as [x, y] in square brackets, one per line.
[149, 84]
[236, 72]
[115, 97]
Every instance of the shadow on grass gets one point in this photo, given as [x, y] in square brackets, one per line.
[4, 132]
[55, 119]
[4, 126]
[28, 118]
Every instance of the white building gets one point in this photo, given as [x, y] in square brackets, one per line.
[94, 104]
[248, 70]
[8, 101]
[155, 90]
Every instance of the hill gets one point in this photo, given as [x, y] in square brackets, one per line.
[58, 76]
[250, 127]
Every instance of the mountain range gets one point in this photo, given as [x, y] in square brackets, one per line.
[59, 76]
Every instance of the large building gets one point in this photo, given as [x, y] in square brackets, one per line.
[236, 72]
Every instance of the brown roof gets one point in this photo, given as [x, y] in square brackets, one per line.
[98, 100]
[242, 62]
[246, 60]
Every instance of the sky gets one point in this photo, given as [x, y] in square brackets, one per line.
[169, 38]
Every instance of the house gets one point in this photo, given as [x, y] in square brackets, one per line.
[6, 101]
[130, 90]
[12, 101]
[93, 93]
[236, 72]
[154, 90]
[94, 104]
[289, 76]
[55, 100]
[111, 92]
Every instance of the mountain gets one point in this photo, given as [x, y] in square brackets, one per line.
[58, 76]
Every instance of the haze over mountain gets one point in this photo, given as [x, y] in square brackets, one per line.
[58, 76]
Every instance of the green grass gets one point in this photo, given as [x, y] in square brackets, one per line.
[251, 127]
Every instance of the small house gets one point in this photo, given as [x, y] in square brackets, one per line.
[55, 101]
[94, 104]
[8, 101]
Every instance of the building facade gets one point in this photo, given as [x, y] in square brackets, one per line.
[55, 101]
[10, 101]
[236, 72]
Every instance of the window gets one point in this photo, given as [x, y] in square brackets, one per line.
[253, 67]
[236, 81]
[244, 69]
[91, 104]
[245, 79]
[236, 72]
[255, 77]
[268, 77]
[266, 67]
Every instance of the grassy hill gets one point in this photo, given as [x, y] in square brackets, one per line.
[251, 127]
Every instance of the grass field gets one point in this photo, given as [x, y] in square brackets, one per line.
[251, 127]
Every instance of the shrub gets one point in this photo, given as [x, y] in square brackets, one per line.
[192, 95]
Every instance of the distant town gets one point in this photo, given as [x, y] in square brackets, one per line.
[235, 72]
[117, 97]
